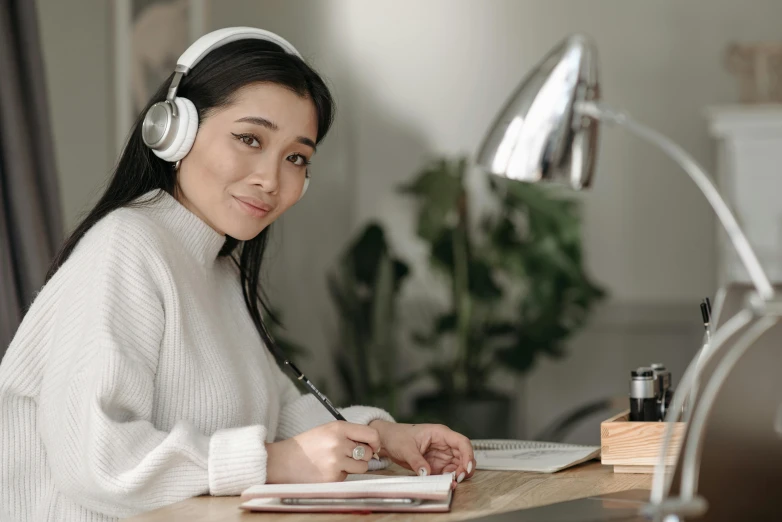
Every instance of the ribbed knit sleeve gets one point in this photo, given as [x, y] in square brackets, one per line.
[98, 392]
[302, 412]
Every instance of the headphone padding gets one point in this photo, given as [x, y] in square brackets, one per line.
[186, 129]
[304, 188]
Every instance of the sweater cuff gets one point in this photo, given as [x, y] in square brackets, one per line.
[365, 414]
[237, 459]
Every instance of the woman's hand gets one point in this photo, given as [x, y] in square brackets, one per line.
[322, 454]
[426, 448]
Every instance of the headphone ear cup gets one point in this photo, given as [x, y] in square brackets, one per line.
[304, 188]
[185, 127]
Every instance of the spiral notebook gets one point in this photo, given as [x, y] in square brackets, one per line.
[524, 455]
[358, 493]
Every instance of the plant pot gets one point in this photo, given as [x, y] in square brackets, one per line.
[487, 416]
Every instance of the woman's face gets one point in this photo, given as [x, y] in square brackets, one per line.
[249, 160]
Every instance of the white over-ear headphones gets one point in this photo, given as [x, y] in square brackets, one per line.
[170, 126]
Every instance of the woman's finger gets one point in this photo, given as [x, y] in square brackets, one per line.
[449, 468]
[362, 433]
[437, 454]
[460, 443]
[437, 465]
[350, 448]
[416, 461]
[355, 466]
[469, 463]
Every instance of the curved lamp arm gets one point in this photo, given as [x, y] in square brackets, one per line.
[687, 392]
[694, 447]
[606, 114]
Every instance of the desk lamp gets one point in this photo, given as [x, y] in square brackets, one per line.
[548, 132]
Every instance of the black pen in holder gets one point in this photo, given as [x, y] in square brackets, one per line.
[663, 391]
[643, 401]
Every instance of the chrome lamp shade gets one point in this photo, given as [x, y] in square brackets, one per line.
[538, 136]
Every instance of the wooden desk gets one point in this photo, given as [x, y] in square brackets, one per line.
[487, 492]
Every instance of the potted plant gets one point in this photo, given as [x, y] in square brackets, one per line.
[517, 285]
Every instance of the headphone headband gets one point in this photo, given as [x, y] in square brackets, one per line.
[215, 39]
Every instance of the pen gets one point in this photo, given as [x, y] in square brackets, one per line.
[708, 308]
[316, 392]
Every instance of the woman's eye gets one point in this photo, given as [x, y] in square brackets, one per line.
[298, 160]
[248, 139]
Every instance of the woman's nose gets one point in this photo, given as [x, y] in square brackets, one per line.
[266, 175]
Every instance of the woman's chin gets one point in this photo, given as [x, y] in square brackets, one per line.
[244, 233]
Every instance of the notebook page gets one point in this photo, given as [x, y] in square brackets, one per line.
[436, 487]
[543, 459]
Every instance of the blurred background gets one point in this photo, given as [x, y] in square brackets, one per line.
[406, 278]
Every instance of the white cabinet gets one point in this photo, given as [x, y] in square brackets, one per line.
[749, 175]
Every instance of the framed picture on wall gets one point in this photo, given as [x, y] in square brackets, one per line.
[149, 36]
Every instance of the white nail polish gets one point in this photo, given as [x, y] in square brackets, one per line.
[422, 472]
[469, 467]
[461, 477]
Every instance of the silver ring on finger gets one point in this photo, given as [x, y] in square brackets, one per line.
[358, 452]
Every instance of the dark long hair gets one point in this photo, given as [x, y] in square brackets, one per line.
[211, 84]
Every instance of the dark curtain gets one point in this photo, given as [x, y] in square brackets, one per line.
[30, 215]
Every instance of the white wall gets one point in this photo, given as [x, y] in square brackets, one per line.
[76, 50]
[414, 79]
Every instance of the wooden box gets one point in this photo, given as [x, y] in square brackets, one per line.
[632, 447]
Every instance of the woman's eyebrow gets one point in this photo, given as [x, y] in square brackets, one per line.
[263, 122]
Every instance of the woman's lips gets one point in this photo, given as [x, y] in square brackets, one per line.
[253, 207]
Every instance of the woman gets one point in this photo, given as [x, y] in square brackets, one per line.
[139, 375]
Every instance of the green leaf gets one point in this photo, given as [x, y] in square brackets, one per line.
[518, 358]
[401, 271]
[424, 340]
[365, 253]
[481, 281]
[438, 190]
[446, 323]
[499, 329]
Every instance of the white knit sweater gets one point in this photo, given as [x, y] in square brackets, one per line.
[138, 379]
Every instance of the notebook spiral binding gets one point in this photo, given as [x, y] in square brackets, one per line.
[506, 444]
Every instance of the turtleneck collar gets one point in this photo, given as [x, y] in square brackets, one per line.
[197, 237]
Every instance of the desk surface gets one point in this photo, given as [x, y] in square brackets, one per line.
[486, 493]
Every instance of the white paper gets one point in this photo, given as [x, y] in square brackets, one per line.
[536, 457]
